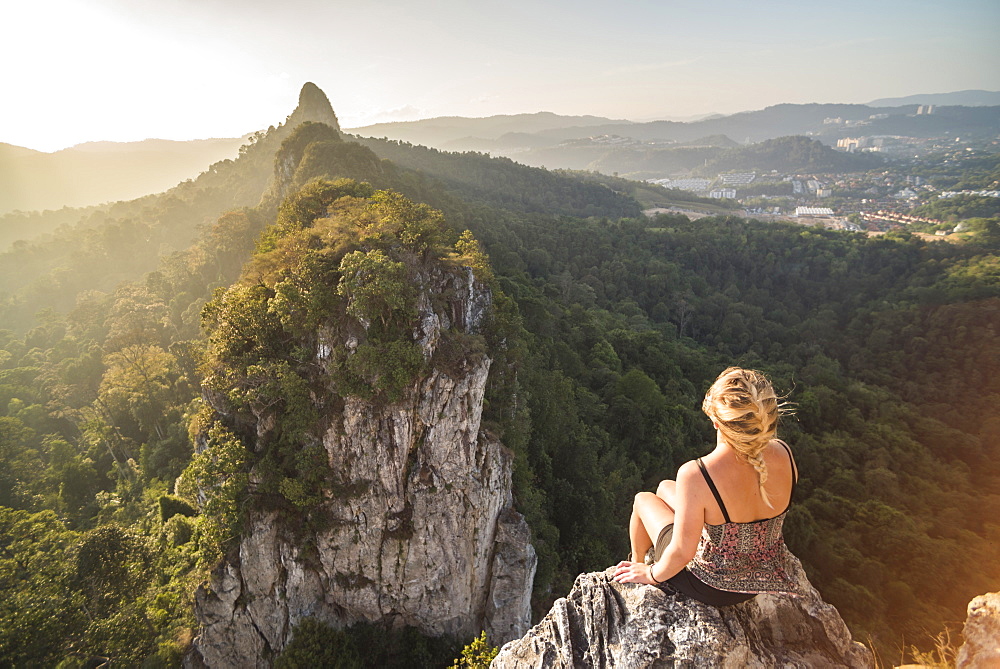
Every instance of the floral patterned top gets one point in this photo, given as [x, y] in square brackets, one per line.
[744, 557]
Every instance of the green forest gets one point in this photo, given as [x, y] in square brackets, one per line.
[613, 324]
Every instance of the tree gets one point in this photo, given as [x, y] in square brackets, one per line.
[376, 288]
[41, 612]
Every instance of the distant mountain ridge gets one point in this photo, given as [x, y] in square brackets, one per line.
[656, 149]
[751, 126]
[98, 172]
[970, 98]
[432, 131]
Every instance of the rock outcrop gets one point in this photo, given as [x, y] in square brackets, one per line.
[418, 528]
[981, 649]
[313, 106]
[602, 623]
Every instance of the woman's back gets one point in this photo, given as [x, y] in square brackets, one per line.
[738, 484]
[740, 553]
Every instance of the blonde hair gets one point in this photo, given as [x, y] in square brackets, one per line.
[746, 409]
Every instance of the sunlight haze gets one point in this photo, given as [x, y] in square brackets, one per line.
[88, 70]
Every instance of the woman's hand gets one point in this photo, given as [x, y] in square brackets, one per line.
[632, 572]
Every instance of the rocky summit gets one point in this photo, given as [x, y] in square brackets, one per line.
[602, 623]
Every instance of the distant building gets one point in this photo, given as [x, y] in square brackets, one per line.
[693, 185]
[813, 211]
[611, 139]
[824, 192]
[719, 193]
[852, 144]
[849, 144]
[738, 178]
[924, 110]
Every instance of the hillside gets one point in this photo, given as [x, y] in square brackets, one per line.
[790, 155]
[98, 172]
[501, 182]
[704, 156]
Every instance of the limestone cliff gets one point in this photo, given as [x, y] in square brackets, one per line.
[602, 623]
[416, 523]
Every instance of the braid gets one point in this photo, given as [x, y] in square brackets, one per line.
[744, 406]
[758, 463]
[755, 396]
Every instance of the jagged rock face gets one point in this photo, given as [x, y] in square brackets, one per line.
[602, 623]
[981, 649]
[423, 534]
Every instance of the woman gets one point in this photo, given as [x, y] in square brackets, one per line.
[718, 527]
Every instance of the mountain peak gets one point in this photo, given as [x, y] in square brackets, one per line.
[313, 106]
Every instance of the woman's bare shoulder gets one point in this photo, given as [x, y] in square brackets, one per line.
[688, 471]
[779, 447]
[689, 478]
[692, 491]
[778, 455]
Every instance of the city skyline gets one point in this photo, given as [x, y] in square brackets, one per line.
[125, 70]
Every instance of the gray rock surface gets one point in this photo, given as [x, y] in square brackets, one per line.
[419, 527]
[602, 623]
[981, 649]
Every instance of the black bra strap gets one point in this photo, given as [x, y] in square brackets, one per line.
[791, 460]
[715, 491]
[795, 472]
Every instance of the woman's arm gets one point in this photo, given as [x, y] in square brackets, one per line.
[689, 520]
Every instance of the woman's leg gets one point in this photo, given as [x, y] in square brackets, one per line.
[650, 515]
[666, 491]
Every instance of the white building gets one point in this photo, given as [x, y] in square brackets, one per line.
[737, 178]
[693, 185]
[813, 211]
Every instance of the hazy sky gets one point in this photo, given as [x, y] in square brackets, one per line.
[81, 70]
